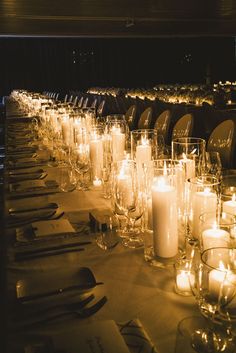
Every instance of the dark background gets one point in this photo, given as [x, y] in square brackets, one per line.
[64, 64]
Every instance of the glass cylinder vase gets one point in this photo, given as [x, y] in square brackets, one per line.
[190, 151]
[161, 237]
[203, 195]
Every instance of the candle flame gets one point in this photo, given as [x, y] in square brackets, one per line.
[144, 141]
[207, 191]
[193, 151]
[222, 266]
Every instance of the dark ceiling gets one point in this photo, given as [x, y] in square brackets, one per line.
[118, 18]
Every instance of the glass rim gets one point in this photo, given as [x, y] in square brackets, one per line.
[215, 248]
[231, 216]
[195, 180]
[189, 140]
[143, 130]
[171, 165]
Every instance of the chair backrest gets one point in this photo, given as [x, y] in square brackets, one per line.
[222, 139]
[85, 103]
[162, 124]
[80, 102]
[145, 119]
[130, 116]
[71, 99]
[75, 101]
[183, 127]
[94, 103]
[101, 108]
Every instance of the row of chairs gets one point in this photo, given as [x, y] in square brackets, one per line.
[222, 139]
[80, 101]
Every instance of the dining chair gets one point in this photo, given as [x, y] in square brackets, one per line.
[162, 124]
[145, 119]
[183, 127]
[130, 116]
[223, 139]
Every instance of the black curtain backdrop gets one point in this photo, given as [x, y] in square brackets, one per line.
[67, 64]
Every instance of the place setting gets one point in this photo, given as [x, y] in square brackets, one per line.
[30, 188]
[39, 302]
[50, 235]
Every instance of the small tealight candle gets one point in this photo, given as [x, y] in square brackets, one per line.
[219, 277]
[183, 278]
[97, 182]
[230, 206]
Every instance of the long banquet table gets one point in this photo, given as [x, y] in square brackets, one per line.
[134, 289]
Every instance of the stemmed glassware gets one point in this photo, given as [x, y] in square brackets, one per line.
[213, 163]
[80, 162]
[127, 200]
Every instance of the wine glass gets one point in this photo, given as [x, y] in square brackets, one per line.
[214, 287]
[213, 163]
[80, 161]
[107, 237]
[127, 200]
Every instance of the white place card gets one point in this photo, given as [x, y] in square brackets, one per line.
[97, 337]
[52, 227]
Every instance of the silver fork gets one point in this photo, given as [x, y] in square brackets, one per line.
[81, 313]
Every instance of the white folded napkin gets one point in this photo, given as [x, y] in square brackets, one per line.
[136, 337]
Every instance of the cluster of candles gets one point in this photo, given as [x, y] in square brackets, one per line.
[174, 190]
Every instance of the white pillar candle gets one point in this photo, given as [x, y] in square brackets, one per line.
[65, 126]
[96, 156]
[214, 237]
[143, 152]
[189, 167]
[77, 132]
[149, 214]
[118, 144]
[125, 190]
[230, 206]
[164, 215]
[203, 201]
